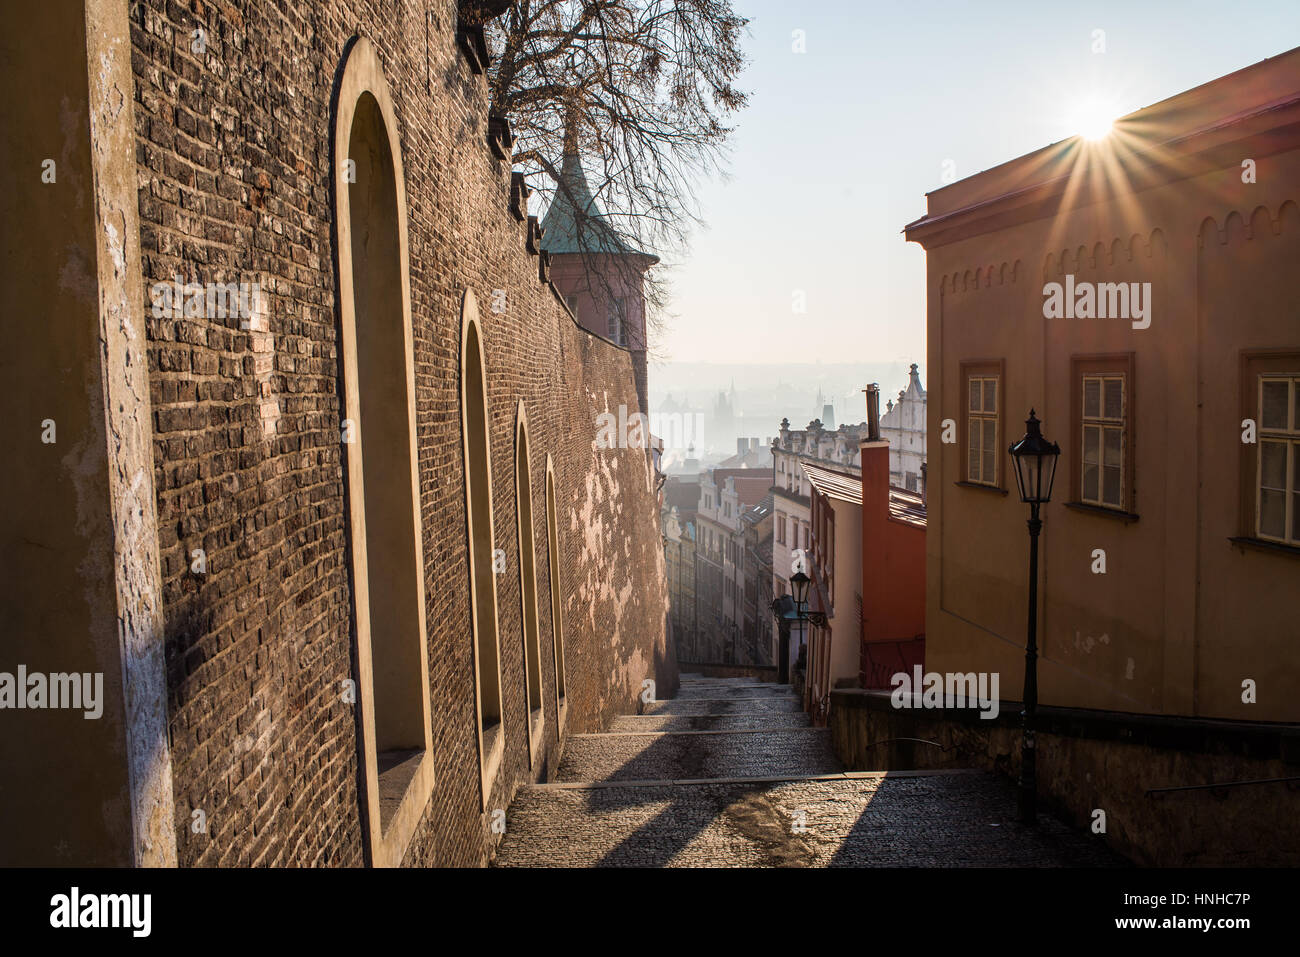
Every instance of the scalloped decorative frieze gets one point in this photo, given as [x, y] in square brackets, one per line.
[1261, 220]
[981, 277]
[1100, 255]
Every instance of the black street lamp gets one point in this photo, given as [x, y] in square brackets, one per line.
[799, 589]
[1035, 460]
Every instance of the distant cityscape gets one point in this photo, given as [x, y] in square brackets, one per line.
[728, 403]
[738, 521]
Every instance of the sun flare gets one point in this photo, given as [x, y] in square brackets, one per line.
[1093, 118]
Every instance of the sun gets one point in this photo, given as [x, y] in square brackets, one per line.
[1093, 118]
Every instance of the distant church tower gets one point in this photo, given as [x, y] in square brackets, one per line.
[599, 273]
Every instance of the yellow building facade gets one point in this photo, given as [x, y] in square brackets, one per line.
[1139, 293]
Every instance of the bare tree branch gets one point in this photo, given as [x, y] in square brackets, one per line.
[643, 90]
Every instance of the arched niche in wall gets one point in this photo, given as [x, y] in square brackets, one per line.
[557, 594]
[481, 540]
[528, 584]
[381, 455]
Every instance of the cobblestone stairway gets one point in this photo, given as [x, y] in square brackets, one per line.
[730, 773]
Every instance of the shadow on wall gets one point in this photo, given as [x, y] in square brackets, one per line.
[666, 674]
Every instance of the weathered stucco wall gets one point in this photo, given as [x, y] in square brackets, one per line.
[1183, 616]
[86, 781]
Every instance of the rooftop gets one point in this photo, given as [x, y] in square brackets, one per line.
[835, 484]
[1197, 131]
[906, 507]
[564, 231]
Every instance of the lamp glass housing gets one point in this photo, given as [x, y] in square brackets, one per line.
[799, 587]
[1035, 459]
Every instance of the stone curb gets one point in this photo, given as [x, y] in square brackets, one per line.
[778, 779]
[664, 734]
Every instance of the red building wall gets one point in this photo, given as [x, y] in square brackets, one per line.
[893, 578]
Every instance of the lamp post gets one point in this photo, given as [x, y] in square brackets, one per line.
[799, 583]
[1035, 460]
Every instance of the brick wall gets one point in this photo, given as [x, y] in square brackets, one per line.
[234, 185]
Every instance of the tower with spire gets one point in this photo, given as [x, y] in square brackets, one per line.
[598, 271]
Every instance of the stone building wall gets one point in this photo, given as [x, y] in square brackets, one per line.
[1152, 776]
[234, 178]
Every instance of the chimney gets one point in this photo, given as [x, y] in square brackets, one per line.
[924, 468]
[873, 412]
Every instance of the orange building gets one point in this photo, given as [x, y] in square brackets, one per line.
[867, 563]
[1138, 292]
[893, 566]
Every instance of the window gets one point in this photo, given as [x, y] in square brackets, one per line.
[828, 553]
[1102, 458]
[780, 529]
[572, 303]
[982, 419]
[911, 481]
[1278, 470]
[618, 322]
[1101, 409]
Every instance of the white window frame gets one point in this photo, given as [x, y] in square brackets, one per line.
[1103, 424]
[1289, 437]
[983, 415]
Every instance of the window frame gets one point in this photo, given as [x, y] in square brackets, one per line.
[617, 321]
[1122, 365]
[1257, 366]
[983, 369]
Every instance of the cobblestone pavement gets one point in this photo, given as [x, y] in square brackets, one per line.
[664, 790]
[696, 754]
[723, 705]
[629, 723]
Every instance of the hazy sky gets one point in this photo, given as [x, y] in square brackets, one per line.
[840, 144]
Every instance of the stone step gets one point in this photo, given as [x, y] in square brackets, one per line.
[732, 690]
[724, 705]
[700, 754]
[687, 680]
[711, 722]
[917, 819]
